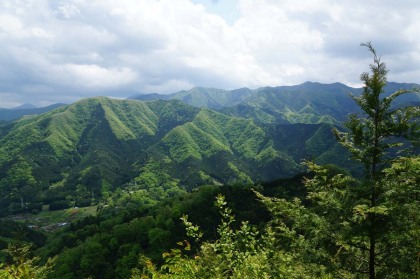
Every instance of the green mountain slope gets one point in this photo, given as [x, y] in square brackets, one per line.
[81, 151]
[227, 149]
[306, 103]
[202, 97]
[87, 147]
[309, 103]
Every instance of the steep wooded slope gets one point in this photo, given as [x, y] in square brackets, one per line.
[93, 146]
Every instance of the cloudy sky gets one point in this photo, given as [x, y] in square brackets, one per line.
[63, 50]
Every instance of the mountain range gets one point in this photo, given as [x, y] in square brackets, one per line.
[310, 102]
[27, 109]
[178, 141]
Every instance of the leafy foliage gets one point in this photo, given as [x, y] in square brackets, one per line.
[243, 252]
[346, 227]
[22, 265]
[131, 223]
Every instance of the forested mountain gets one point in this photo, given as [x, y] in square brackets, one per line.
[91, 147]
[141, 165]
[310, 102]
[202, 97]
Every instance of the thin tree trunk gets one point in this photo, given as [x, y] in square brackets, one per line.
[372, 251]
[372, 233]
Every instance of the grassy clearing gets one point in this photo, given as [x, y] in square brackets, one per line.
[49, 221]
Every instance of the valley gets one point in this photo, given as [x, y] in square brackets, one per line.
[98, 183]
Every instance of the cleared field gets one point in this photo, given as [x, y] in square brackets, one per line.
[49, 221]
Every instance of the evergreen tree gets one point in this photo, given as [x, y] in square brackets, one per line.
[347, 227]
[370, 138]
[368, 226]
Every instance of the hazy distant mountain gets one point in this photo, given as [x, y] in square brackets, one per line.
[25, 106]
[306, 103]
[202, 97]
[309, 102]
[15, 113]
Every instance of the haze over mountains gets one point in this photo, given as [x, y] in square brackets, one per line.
[99, 144]
[309, 92]
[27, 109]
[309, 102]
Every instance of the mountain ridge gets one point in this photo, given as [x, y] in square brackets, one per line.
[205, 97]
[96, 145]
[99, 144]
[309, 102]
[15, 113]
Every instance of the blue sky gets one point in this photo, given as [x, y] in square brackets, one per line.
[63, 50]
[227, 9]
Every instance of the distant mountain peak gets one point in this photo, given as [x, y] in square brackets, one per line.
[24, 106]
[24, 110]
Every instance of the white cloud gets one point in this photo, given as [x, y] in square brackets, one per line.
[68, 10]
[12, 28]
[98, 77]
[64, 50]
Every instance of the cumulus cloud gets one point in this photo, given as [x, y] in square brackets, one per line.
[60, 51]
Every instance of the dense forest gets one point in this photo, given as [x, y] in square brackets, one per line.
[183, 187]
